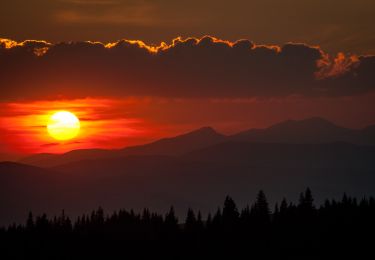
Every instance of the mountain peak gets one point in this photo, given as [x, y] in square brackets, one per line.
[201, 135]
[181, 144]
[205, 130]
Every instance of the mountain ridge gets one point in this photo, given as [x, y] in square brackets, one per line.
[310, 130]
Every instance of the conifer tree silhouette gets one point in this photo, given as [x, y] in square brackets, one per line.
[191, 221]
[230, 213]
[170, 217]
[170, 223]
[306, 201]
[199, 222]
[30, 222]
[217, 219]
[261, 211]
[301, 230]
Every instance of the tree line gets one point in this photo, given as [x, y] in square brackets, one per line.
[288, 231]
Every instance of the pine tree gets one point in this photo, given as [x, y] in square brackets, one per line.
[230, 212]
[146, 215]
[306, 201]
[199, 220]
[191, 221]
[217, 219]
[30, 222]
[261, 211]
[306, 206]
[209, 221]
[170, 218]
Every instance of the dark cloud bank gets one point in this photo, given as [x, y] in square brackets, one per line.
[206, 67]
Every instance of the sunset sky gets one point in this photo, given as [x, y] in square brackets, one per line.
[136, 71]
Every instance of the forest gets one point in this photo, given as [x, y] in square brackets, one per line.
[336, 228]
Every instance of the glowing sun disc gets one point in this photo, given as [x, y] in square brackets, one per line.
[63, 125]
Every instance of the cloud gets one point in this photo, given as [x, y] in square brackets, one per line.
[86, 12]
[91, 2]
[191, 67]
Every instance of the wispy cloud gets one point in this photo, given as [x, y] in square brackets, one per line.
[140, 13]
[92, 2]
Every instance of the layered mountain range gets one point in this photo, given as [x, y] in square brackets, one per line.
[197, 169]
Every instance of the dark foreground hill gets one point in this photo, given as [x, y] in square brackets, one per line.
[198, 179]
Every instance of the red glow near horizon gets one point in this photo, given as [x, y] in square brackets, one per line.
[101, 126]
[116, 123]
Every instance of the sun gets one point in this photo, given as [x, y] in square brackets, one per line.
[63, 125]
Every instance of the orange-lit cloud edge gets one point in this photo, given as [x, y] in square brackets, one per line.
[328, 66]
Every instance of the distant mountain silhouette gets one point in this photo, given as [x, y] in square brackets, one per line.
[14, 168]
[173, 146]
[50, 160]
[308, 131]
[312, 130]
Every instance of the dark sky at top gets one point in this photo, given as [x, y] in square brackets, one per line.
[335, 25]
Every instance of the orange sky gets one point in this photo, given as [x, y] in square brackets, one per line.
[101, 125]
[115, 123]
